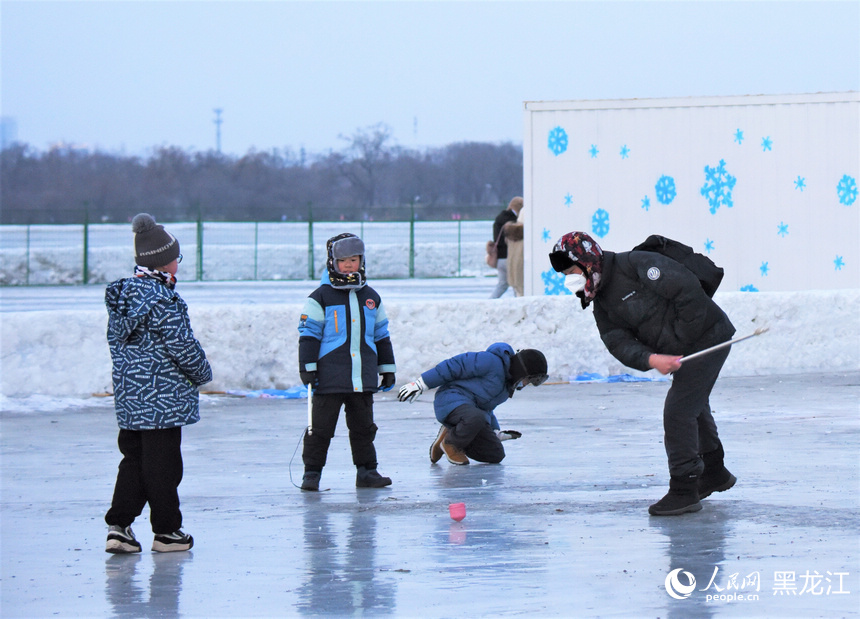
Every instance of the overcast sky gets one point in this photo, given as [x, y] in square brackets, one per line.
[129, 76]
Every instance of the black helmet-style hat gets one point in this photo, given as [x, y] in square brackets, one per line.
[528, 367]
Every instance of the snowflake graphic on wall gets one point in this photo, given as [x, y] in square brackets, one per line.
[739, 136]
[545, 236]
[709, 246]
[800, 183]
[553, 283]
[568, 199]
[625, 152]
[749, 288]
[718, 186]
[847, 190]
[766, 144]
[838, 263]
[557, 141]
[665, 189]
[783, 229]
[593, 151]
[600, 223]
[764, 268]
[646, 203]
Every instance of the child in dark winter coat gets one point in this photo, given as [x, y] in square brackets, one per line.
[157, 366]
[471, 385]
[343, 345]
[650, 310]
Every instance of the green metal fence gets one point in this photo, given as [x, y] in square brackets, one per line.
[92, 253]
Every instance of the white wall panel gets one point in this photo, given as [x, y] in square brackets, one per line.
[791, 220]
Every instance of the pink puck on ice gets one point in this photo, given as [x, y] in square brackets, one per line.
[457, 511]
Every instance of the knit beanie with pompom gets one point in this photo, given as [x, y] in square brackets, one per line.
[154, 246]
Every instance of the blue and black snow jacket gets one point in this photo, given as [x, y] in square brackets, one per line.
[157, 362]
[480, 379]
[343, 337]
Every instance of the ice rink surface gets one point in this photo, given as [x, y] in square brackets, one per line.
[559, 529]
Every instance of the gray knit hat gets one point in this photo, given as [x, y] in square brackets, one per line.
[153, 245]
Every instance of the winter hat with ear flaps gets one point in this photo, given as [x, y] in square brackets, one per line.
[154, 246]
[343, 246]
[529, 363]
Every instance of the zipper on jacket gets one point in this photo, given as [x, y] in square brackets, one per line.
[335, 322]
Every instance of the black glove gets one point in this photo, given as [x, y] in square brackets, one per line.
[308, 378]
[507, 435]
[387, 381]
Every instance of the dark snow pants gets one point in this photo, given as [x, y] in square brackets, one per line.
[149, 472]
[359, 421]
[688, 425]
[469, 430]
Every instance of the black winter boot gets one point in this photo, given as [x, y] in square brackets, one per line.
[681, 498]
[715, 477]
[370, 478]
[311, 481]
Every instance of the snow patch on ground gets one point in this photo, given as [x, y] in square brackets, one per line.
[65, 354]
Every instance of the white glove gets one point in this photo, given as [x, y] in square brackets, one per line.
[507, 435]
[410, 391]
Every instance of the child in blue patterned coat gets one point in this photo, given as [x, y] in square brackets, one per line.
[157, 366]
[344, 345]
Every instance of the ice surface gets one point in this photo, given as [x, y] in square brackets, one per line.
[559, 529]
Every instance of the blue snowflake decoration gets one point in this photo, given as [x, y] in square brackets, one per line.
[749, 288]
[625, 152]
[568, 199]
[646, 203]
[600, 223]
[847, 190]
[545, 236]
[718, 186]
[557, 141]
[593, 151]
[553, 283]
[800, 183]
[739, 136]
[838, 263]
[709, 246]
[764, 268]
[665, 189]
[766, 144]
[782, 229]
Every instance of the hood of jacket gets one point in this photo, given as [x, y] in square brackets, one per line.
[129, 301]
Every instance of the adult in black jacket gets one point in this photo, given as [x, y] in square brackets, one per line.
[650, 311]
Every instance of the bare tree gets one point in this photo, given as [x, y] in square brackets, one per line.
[366, 155]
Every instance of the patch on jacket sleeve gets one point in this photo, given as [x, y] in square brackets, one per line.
[654, 273]
[370, 303]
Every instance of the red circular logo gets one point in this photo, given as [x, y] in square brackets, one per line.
[370, 303]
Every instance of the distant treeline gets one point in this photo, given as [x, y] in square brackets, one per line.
[368, 179]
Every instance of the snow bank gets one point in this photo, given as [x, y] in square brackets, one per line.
[64, 353]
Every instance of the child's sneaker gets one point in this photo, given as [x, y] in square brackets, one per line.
[172, 542]
[311, 481]
[121, 540]
[454, 454]
[370, 478]
[436, 452]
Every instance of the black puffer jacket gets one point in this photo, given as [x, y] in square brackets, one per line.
[647, 303]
